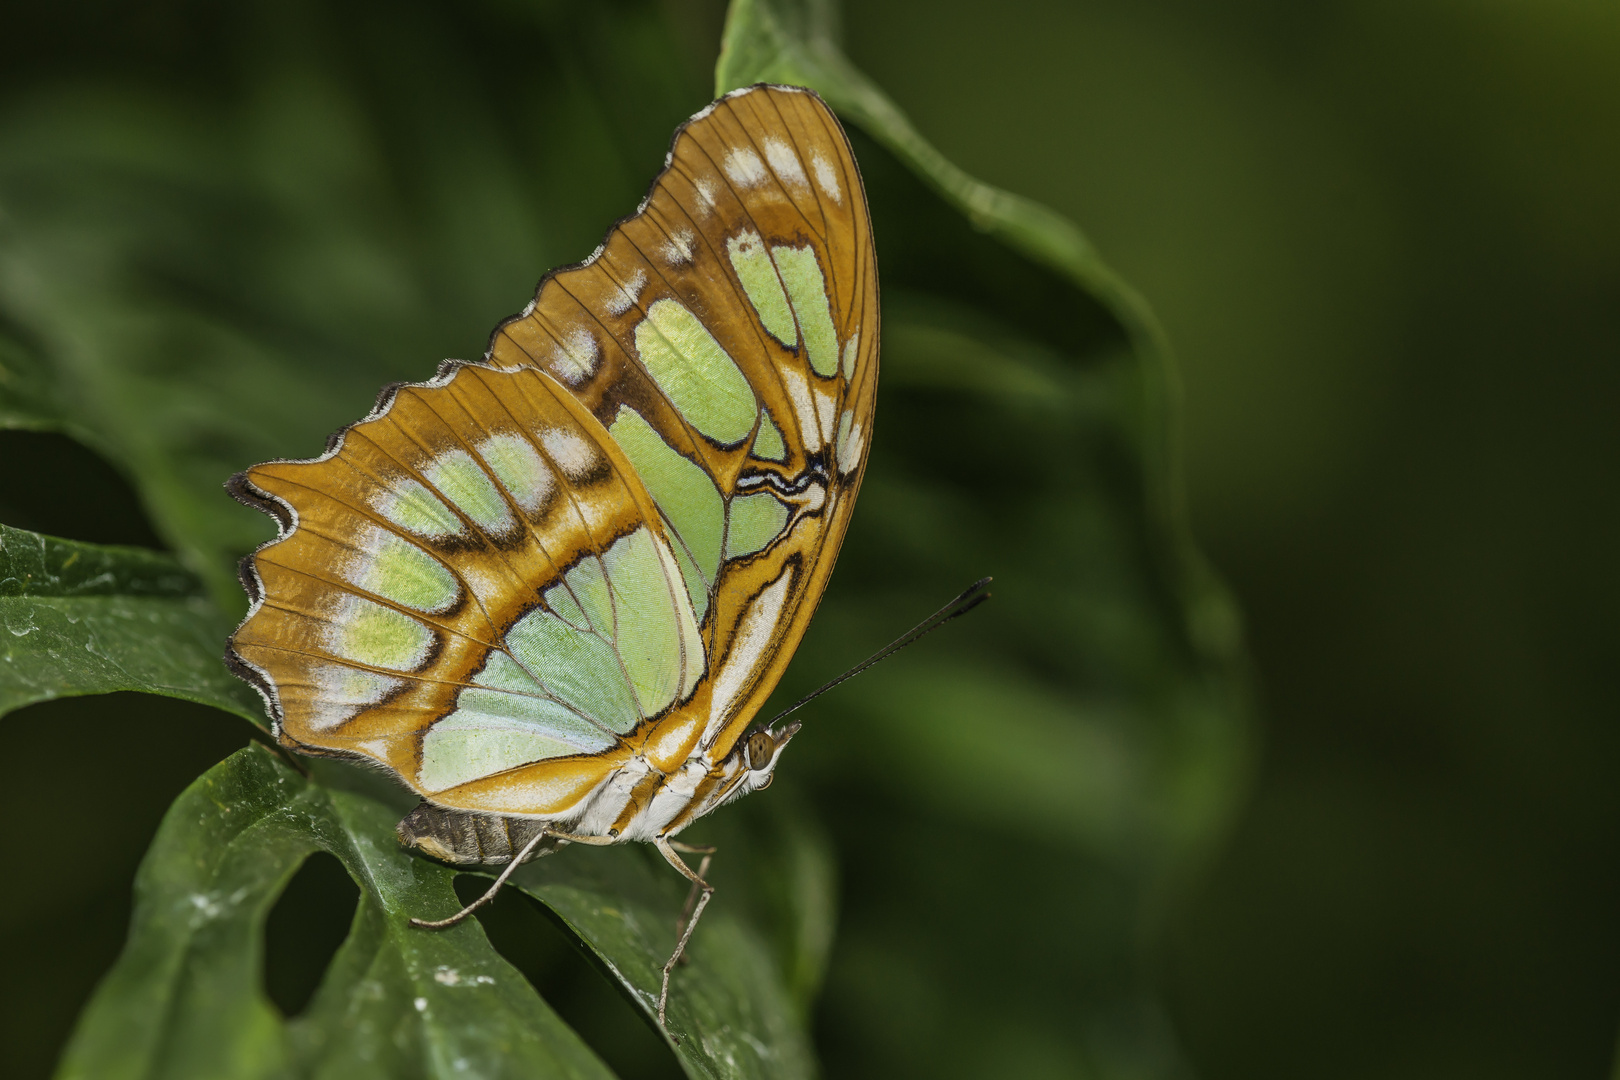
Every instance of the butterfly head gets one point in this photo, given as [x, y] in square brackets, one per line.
[758, 754]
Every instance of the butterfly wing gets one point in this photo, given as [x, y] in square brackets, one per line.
[727, 334]
[608, 539]
[473, 579]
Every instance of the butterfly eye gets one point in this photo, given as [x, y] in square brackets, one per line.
[760, 747]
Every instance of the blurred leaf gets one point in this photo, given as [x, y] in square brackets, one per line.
[795, 42]
[88, 619]
[194, 282]
[1080, 741]
[186, 998]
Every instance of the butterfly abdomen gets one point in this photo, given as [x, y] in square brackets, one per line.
[454, 836]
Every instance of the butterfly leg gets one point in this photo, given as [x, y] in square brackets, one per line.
[692, 899]
[489, 894]
[707, 851]
[701, 892]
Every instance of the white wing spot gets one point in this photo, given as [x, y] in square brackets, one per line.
[827, 177]
[744, 167]
[826, 412]
[519, 469]
[705, 190]
[573, 455]
[341, 693]
[576, 357]
[738, 668]
[625, 299]
[677, 250]
[416, 510]
[804, 408]
[851, 445]
[786, 163]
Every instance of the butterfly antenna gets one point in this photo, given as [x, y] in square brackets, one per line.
[970, 598]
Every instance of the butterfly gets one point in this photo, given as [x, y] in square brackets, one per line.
[549, 590]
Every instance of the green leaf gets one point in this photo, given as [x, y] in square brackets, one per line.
[745, 1002]
[87, 619]
[186, 998]
[794, 42]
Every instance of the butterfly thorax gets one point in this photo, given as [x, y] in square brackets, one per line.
[637, 802]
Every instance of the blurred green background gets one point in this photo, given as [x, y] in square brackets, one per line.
[1385, 239]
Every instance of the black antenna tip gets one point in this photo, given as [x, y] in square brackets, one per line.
[971, 597]
[966, 601]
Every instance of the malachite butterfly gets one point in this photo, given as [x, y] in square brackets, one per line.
[550, 590]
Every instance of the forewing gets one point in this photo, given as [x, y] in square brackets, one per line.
[727, 335]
